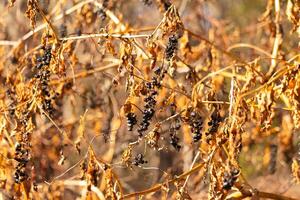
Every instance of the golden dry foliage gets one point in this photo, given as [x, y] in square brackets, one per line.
[149, 99]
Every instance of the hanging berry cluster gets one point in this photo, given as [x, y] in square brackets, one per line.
[22, 156]
[131, 120]
[195, 122]
[22, 147]
[101, 11]
[149, 110]
[174, 128]
[213, 124]
[174, 141]
[150, 100]
[139, 160]
[130, 116]
[43, 76]
[171, 47]
[230, 178]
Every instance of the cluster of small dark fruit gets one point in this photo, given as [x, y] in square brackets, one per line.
[195, 122]
[171, 46]
[139, 160]
[131, 120]
[43, 77]
[230, 178]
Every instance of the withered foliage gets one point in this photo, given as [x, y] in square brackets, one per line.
[149, 99]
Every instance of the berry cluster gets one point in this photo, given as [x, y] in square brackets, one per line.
[20, 173]
[213, 124]
[43, 77]
[171, 47]
[174, 141]
[149, 111]
[22, 148]
[45, 59]
[21, 153]
[131, 120]
[147, 116]
[139, 160]
[230, 178]
[22, 156]
[149, 100]
[173, 129]
[101, 13]
[195, 122]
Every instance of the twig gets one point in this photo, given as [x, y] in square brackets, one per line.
[87, 36]
[85, 73]
[47, 21]
[193, 163]
[245, 45]
[159, 186]
[116, 20]
[58, 17]
[44, 25]
[76, 164]
[278, 38]
[171, 117]
[275, 76]
[8, 43]
[230, 55]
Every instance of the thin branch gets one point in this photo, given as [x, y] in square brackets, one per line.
[230, 55]
[8, 43]
[251, 46]
[58, 17]
[85, 73]
[159, 186]
[278, 38]
[44, 25]
[193, 163]
[97, 35]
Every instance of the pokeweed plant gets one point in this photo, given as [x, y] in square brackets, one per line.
[148, 99]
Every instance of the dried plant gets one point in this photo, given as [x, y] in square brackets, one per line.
[149, 99]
